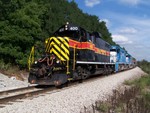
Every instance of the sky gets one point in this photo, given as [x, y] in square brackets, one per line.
[127, 20]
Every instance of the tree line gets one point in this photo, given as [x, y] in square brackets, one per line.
[24, 23]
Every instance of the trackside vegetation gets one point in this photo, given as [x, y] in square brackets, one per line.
[24, 23]
[135, 98]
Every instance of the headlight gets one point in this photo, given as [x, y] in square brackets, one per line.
[35, 62]
[57, 61]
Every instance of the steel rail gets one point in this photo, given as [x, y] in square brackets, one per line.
[16, 90]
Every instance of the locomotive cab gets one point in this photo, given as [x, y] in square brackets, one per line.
[113, 56]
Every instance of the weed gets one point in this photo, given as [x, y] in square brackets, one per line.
[4, 66]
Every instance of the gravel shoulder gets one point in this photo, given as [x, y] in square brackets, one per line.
[72, 100]
[7, 83]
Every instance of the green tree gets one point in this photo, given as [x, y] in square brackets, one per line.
[20, 27]
[24, 23]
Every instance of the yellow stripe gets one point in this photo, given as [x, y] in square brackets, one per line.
[56, 47]
[61, 52]
[58, 55]
[61, 44]
[67, 38]
[66, 50]
[48, 44]
[57, 41]
[64, 41]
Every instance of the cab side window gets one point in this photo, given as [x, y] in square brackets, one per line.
[83, 36]
[88, 37]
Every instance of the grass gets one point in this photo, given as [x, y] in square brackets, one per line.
[102, 107]
[134, 99]
[4, 66]
[145, 66]
[143, 82]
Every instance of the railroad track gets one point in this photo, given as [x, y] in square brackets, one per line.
[13, 95]
[20, 93]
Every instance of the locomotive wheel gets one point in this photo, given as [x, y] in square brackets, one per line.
[109, 71]
[84, 73]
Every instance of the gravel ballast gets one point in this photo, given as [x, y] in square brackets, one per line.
[7, 83]
[73, 99]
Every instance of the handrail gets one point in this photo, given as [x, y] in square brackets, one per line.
[68, 67]
[31, 58]
[74, 57]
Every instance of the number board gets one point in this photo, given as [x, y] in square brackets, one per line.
[73, 28]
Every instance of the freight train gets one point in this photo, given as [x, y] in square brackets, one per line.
[73, 53]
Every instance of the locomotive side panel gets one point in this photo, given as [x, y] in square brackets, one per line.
[103, 49]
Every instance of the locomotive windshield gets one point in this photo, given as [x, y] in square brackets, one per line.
[112, 49]
[72, 34]
[68, 30]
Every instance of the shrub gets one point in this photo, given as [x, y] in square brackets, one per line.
[4, 66]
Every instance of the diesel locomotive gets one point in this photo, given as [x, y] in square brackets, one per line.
[73, 53]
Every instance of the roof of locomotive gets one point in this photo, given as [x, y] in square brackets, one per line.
[68, 27]
[99, 35]
[73, 27]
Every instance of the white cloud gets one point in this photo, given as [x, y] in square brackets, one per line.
[133, 24]
[133, 30]
[91, 3]
[120, 39]
[139, 46]
[128, 30]
[131, 2]
[105, 20]
[134, 2]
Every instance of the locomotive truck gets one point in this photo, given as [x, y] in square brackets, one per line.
[73, 53]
